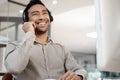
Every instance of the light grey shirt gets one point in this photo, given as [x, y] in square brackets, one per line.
[30, 60]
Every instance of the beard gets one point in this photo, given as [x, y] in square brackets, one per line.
[39, 32]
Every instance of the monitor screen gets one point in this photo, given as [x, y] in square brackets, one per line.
[108, 31]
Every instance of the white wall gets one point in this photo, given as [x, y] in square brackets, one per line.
[71, 28]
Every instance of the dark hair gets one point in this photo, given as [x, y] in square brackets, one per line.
[30, 4]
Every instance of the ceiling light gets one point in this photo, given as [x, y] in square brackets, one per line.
[54, 1]
[92, 35]
[21, 11]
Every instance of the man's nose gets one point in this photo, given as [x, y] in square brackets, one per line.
[41, 16]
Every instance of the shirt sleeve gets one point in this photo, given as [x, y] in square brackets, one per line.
[71, 65]
[17, 54]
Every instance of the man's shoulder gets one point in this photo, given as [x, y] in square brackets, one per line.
[57, 44]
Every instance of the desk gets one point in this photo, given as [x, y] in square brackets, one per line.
[112, 79]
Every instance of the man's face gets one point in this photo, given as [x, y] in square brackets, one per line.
[39, 15]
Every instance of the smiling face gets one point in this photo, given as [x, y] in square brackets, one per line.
[39, 15]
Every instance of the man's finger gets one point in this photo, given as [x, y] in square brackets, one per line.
[70, 76]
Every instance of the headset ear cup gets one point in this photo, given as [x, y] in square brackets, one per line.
[51, 18]
[23, 17]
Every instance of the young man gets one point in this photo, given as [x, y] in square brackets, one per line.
[37, 57]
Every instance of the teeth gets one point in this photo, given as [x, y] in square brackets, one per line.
[42, 23]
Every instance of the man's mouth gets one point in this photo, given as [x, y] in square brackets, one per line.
[41, 23]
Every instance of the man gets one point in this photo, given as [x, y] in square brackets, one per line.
[37, 57]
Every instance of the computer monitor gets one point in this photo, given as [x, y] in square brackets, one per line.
[108, 31]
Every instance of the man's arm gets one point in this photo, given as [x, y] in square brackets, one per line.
[17, 55]
[74, 71]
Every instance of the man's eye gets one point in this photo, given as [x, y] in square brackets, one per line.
[33, 14]
[45, 13]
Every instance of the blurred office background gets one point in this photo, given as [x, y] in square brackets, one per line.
[74, 26]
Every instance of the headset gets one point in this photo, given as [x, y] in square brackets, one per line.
[30, 4]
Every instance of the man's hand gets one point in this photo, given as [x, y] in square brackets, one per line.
[70, 76]
[29, 26]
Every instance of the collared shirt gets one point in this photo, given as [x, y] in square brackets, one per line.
[30, 60]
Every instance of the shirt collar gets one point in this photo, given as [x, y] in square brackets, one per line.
[49, 40]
